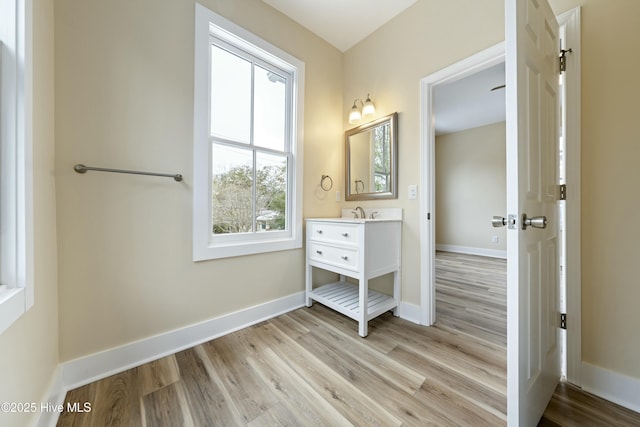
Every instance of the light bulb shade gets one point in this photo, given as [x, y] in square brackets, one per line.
[354, 115]
[368, 108]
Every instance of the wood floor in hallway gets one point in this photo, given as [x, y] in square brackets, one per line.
[471, 299]
[310, 367]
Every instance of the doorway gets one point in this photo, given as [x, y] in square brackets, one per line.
[470, 179]
[571, 124]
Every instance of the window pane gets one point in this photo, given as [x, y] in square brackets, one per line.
[269, 109]
[230, 96]
[271, 192]
[231, 184]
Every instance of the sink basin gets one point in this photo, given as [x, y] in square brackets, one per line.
[381, 215]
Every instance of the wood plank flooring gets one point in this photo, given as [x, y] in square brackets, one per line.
[310, 367]
[471, 295]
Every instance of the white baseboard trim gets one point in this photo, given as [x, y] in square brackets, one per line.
[615, 387]
[55, 397]
[410, 312]
[93, 367]
[493, 253]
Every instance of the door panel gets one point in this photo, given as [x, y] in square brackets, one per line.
[533, 356]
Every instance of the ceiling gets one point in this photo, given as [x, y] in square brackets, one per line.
[469, 102]
[460, 105]
[342, 23]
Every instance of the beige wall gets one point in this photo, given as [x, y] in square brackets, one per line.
[124, 99]
[610, 181]
[29, 348]
[433, 34]
[471, 187]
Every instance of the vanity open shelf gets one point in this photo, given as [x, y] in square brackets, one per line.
[361, 249]
[344, 297]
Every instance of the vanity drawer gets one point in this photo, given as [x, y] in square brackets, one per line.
[338, 256]
[334, 233]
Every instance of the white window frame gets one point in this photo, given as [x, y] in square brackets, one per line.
[205, 244]
[16, 181]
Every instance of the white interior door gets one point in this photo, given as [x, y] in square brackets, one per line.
[533, 356]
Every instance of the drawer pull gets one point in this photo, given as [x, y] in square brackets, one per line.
[319, 252]
[319, 231]
[344, 257]
[345, 234]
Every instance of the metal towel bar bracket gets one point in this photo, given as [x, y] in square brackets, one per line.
[83, 169]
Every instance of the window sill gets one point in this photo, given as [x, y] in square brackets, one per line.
[212, 251]
[12, 306]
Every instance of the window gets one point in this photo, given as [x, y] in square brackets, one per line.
[16, 245]
[247, 142]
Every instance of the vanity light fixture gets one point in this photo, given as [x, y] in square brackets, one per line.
[367, 109]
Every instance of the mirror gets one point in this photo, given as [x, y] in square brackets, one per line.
[371, 160]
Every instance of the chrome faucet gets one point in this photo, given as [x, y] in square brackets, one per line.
[358, 212]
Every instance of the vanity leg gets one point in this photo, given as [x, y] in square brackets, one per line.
[308, 285]
[396, 291]
[364, 305]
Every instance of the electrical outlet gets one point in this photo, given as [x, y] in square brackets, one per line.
[495, 239]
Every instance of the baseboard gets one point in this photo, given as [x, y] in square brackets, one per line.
[410, 312]
[492, 253]
[615, 387]
[54, 397]
[93, 367]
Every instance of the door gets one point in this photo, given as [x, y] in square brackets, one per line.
[533, 356]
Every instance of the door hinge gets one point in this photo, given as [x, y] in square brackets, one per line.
[563, 59]
[563, 320]
[563, 192]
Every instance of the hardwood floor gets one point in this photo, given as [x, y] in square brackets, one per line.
[310, 367]
[471, 295]
[571, 407]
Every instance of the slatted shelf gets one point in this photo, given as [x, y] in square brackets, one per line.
[344, 297]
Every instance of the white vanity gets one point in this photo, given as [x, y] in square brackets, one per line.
[361, 249]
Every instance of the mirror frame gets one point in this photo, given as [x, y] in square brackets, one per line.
[392, 119]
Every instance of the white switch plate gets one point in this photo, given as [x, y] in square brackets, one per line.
[413, 192]
[337, 196]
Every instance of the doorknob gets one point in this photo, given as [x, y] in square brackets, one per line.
[535, 222]
[498, 221]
